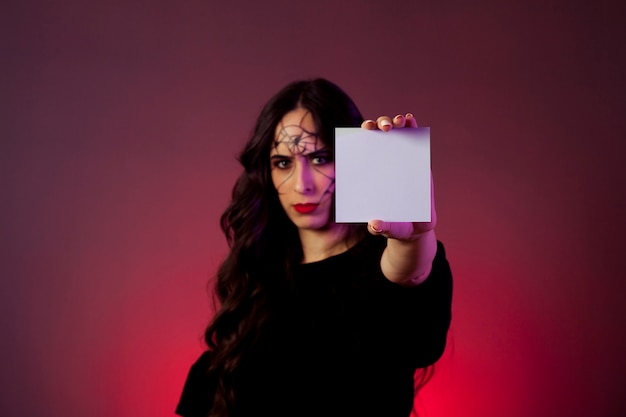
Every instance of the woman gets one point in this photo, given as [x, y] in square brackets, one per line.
[316, 318]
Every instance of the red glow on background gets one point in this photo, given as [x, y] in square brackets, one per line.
[120, 130]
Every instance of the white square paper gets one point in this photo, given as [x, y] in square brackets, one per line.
[382, 175]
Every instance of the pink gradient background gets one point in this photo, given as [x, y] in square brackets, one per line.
[120, 123]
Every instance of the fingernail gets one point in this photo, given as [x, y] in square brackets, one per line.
[409, 115]
[385, 123]
[369, 124]
[376, 229]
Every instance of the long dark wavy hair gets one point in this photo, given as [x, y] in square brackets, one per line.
[264, 243]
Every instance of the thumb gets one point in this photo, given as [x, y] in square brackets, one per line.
[391, 230]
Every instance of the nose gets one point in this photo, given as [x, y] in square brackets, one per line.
[303, 178]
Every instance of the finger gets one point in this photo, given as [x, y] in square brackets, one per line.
[410, 120]
[399, 121]
[384, 123]
[368, 124]
[376, 227]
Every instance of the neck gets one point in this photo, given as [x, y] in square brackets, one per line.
[318, 245]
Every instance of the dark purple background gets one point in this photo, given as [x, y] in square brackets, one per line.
[120, 123]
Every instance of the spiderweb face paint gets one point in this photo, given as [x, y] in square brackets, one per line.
[298, 140]
[303, 170]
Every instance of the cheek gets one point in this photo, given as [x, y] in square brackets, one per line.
[279, 178]
[325, 178]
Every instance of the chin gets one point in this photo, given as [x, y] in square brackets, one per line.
[320, 226]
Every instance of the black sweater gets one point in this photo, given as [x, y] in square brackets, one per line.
[348, 344]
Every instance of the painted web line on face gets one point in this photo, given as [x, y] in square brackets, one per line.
[298, 140]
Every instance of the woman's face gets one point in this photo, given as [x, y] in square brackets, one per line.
[303, 171]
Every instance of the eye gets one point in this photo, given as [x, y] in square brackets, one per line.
[320, 159]
[282, 163]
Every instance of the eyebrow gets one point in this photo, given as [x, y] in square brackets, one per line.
[310, 154]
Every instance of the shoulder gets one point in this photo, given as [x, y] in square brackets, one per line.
[193, 400]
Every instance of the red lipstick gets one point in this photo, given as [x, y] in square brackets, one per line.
[305, 208]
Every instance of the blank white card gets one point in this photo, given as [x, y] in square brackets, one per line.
[382, 175]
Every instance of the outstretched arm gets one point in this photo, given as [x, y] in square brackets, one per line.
[411, 247]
